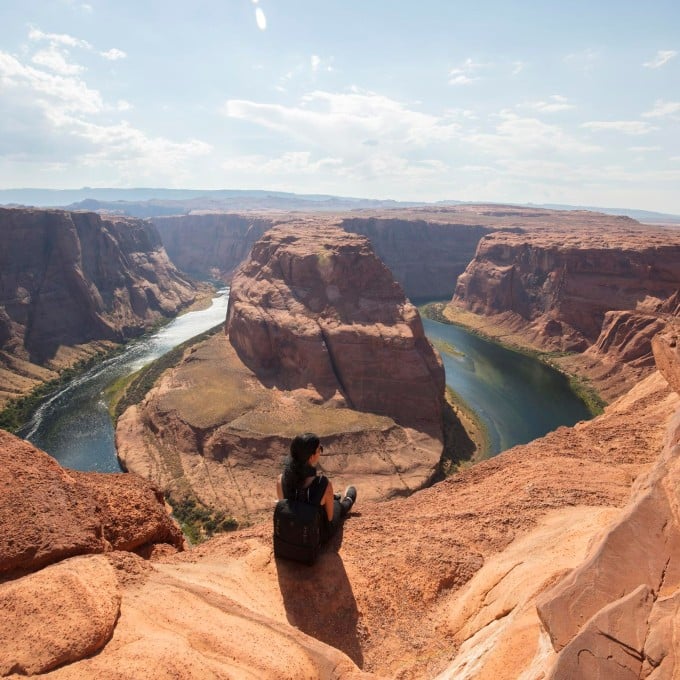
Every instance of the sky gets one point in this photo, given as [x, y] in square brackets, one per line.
[503, 101]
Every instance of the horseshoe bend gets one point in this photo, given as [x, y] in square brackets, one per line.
[555, 559]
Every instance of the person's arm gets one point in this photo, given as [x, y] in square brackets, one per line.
[279, 488]
[327, 501]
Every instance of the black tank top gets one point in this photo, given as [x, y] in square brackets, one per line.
[314, 493]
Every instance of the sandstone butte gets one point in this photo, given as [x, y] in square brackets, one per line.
[74, 283]
[557, 559]
[319, 338]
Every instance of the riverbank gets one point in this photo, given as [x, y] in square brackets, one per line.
[484, 328]
[73, 362]
[466, 438]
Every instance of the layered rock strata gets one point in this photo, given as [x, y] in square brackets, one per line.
[315, 308]
[212, 244]
[69, 279]
[425, 256]
[604, 293]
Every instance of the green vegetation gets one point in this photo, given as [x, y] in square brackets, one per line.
[447, 348]
[199, 522]
[434, 311]
[133, 388]
[587, 394]
[18, 411]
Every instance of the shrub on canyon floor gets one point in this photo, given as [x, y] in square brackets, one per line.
[198, 521]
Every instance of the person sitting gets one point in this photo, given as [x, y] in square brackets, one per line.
[300, 481]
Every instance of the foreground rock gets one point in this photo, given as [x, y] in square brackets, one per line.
[48, 513]
[72, 281]
[454, 599]
[62, 614]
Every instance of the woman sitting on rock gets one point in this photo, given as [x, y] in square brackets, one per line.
[300, 481]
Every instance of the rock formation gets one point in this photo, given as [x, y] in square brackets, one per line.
[212, 244]
[314, 307]
[426, 256]
[69, 279]
[320, 338]
[48, 514]
[602, 291]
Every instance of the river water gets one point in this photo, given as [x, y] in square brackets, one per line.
[517, 397]
[74, 425]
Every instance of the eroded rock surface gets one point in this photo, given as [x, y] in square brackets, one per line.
[48, 513]
[564, 283]
[601, 290]
[320, 338]
[313, 307]
[212, 244]
[426, 254]
[59, 615]
[617, 613]
[71, 278]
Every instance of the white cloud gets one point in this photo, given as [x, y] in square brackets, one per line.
[464, 74]
[66, 93]
[260, 19]
[58, 39]
[114, 54]
[296, 162]
[341, 122]
[318, 64]
[461, 79]
[516, 136]
[644, 149]
[51, 118]
[661, 58]
[84, 6]
[662, 108]
[517, 67]
[55, 60]
[554, 104]
[628, 127]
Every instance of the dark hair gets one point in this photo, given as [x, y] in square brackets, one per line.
[296, 467]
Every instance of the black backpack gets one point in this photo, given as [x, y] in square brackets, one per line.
[297, 531]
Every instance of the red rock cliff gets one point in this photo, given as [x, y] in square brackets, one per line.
[425, 253]
[210, 245]
[70, 278]
[563, 283]
[425, 256]
[314, 307]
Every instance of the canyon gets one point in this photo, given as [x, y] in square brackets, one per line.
[74, 284]
[319, 337]
[555, 559]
